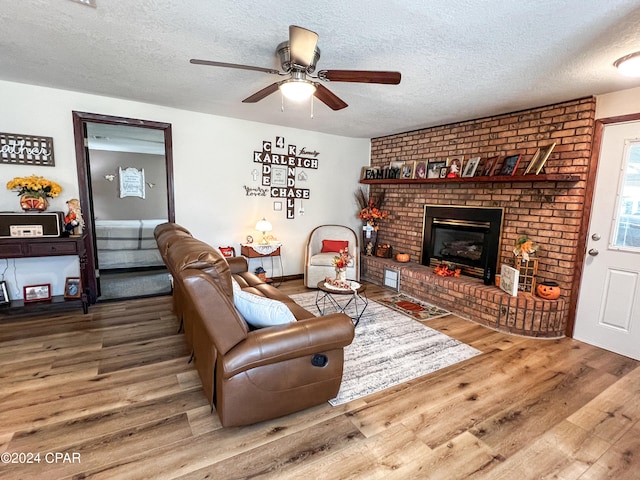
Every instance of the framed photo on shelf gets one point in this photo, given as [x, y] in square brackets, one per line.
[510, 165]
[539, 159]
[407, 170]
[72, 287]
[421, 169]
[471, 167]
[490, 166]
[443, 172]
[454, 166]
[433, 168]
[37, 293]
[4, 294]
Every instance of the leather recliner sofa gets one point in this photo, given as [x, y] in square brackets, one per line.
[251, 375]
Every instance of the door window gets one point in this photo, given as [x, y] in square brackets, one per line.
[626, 231]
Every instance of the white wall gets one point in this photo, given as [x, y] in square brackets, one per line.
[623, 102]
[213, 159]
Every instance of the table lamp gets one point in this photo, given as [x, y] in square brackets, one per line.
[264, 226]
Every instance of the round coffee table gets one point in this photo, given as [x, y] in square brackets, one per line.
[339, 299]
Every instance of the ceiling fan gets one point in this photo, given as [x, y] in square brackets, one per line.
[298, 58]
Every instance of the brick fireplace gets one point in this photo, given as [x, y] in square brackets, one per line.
[550, 212]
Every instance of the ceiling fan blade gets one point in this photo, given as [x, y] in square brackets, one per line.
[327, 97]
[210, 63]
[302, 44]
[266, 91]
[360, 76]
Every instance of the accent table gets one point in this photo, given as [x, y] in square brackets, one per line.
[327, 296]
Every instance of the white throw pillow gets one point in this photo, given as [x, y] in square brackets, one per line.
[260, 311]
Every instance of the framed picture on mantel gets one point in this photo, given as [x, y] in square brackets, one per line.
[510, 165]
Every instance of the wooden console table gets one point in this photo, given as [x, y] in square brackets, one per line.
[48, 247]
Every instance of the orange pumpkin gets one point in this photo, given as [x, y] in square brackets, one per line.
[402, 257]
[548, 290]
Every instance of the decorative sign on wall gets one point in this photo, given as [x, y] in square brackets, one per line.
[279, 163]
[18, 149]
[131, 182]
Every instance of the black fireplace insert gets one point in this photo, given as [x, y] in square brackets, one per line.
[468, 237]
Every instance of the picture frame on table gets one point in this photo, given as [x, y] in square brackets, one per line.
[72, 287]
[471, 166]
[433, 168]
[539, 159]
[4, 293]
[37, 293]
[509, 165]
[490, 166]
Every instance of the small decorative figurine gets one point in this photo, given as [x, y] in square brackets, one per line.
[73, 221]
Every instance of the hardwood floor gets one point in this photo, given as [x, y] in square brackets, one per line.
[114, 392]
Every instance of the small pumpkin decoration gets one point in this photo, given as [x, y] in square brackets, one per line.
[548, 290]
[402, 257]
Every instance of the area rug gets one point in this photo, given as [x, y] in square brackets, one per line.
[390, 348]
[413, 307]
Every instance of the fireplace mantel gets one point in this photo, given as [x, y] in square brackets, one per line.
[551, 177]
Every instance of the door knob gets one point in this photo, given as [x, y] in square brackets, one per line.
[593, 252]
[595, 237]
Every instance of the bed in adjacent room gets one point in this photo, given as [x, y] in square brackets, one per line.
[127, 244]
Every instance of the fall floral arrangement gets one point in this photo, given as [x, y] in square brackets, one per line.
[370, 208]
[447, 269]
[524, 247]
[34, 185]
[342, 260]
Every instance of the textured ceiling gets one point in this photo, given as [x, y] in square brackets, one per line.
[460, 59]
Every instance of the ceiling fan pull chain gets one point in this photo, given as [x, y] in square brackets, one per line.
[311, 106]
[282, 102]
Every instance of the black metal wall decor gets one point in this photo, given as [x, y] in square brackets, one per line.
[19, 149]
[279, 163]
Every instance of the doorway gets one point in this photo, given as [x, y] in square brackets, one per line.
[608, 309]
[125, 179]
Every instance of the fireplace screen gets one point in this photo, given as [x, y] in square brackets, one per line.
[466, 236]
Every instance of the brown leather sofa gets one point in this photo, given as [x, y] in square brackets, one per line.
[251, 375]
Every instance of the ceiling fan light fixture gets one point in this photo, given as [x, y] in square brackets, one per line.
[629, 65]
[297, 90]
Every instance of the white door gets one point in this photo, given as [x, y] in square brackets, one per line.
[608, 311]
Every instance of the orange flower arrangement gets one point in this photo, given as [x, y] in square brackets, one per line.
[343, 259]
[370, 208]
[524, 247]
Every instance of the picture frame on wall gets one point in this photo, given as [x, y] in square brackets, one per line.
[72, 287]
[434, 167]
[490, 166]
[37, 293]
[4, 293]
[470, 167]
[539, 159]
[454, 166]
[509, 165]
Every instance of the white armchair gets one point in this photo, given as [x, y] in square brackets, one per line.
[318, 264]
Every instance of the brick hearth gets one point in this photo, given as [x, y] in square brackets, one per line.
[469, 298]
[550, 212]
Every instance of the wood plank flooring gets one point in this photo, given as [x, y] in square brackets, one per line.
[114, 392]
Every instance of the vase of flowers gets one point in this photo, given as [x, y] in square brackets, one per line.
[371, 212]
[340, 262]
[34, 192]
